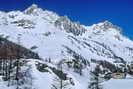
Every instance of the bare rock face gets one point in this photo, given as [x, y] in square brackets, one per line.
[26, 24]
[70, 27]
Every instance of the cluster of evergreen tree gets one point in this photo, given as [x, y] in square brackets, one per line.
[15, 72]
[13, 66]
[95, 81]
[61, 81]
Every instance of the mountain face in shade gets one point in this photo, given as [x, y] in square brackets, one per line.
[58, 41]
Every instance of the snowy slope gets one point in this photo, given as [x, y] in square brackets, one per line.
[119, 84]
[38, 29]
[54, 36]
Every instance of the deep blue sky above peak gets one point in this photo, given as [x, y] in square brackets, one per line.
[88, 12]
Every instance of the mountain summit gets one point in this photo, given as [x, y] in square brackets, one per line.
[33, 9]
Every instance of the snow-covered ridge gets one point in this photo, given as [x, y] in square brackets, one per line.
[43, 28]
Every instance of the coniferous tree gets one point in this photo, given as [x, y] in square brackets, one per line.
[18, 63]
[59, 82]
[95, 79]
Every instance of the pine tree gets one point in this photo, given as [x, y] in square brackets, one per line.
[95, 79]
[18, 63]
[60, 83]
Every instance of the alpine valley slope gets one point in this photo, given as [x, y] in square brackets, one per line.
[56, 38]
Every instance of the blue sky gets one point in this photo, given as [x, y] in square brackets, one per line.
[88, 12]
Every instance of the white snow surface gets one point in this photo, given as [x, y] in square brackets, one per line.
[119, 84]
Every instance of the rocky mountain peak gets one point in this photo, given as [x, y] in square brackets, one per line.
[33, 9]
[71, 27]
[106, 22]
[35, 6]
[106, 26]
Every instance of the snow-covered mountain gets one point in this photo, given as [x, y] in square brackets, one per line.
[58, 40]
